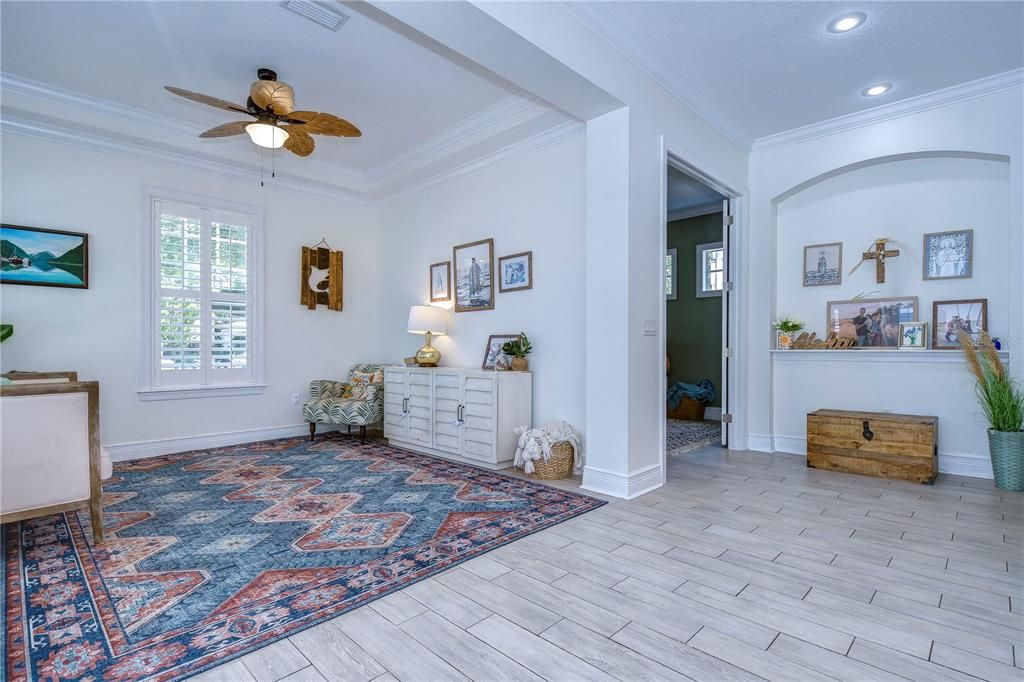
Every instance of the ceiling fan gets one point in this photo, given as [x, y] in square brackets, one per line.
[272, 104]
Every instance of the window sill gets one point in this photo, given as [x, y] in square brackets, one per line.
[213, 391]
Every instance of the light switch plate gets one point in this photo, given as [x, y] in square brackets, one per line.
[650, 327]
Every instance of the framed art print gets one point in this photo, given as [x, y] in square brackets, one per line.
[871, 322]
[42, 257]
[950, 317]
[516, 272]
[948, 255]
[823, 264]
[441, 281]
[913, 336]
[493, 349]
[474, 275]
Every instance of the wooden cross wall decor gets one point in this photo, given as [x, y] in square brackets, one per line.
[321, 277]
[879, 255]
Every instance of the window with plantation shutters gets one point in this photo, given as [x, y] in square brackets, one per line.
[202, 314]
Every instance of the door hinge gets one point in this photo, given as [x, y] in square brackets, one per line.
[727, 352]
[727, 418]
[729, 286]
[729, 220]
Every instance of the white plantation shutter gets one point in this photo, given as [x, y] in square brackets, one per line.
[203, 298]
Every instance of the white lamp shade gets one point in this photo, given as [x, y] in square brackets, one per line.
[427, 318]
[266, 135]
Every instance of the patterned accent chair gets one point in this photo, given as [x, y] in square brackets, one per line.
[328, 404]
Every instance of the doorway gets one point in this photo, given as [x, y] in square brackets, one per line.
[698, 319]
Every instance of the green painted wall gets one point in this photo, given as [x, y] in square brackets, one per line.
[694, 325]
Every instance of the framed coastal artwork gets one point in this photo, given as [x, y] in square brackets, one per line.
[43, 257]
[871, 322]
[948, 255]
[949, 317]
[441, 281]
[823, 264]
[516, 272]
[474, 275]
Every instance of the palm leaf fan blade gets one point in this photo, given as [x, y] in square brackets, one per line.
[319, 123]
[299, 142]
[205, 99]
[226, 129]
[273, 95]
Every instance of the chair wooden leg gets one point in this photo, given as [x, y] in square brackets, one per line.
[362, 435]
[96, 516]
[312, 431]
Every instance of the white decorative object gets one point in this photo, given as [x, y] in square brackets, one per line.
[535, 444]
[464, 415]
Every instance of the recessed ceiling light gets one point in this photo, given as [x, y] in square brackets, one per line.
[876, 90]
[847, 22]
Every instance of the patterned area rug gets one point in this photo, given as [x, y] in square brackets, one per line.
[213, 554]
[683, 436]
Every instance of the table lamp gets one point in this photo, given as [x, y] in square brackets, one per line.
[427, 319]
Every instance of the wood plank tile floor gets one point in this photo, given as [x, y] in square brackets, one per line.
[745, 566]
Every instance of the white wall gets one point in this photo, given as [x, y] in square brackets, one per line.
[902, 200]
[534, 203]
[96, 331]
[792, 182]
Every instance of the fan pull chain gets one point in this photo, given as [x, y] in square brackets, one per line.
[261, 166]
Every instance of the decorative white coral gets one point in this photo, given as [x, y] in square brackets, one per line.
[535, 444]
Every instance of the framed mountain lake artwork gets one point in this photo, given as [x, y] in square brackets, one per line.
[42, 257]
[474, 276]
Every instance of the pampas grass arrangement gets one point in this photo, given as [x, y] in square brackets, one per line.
[1001, 400]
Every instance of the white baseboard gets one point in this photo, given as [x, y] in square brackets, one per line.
[120, 452]
[759, 442]
[626, 486]
[959, 464]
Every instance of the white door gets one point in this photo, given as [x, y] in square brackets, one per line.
[417, 406]
[479, 418]
[727, 286]
[447, 426]
[395, 403]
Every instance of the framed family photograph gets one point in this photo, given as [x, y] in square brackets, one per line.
[871, 322]
[474, 275]
[949, 317]
[823, 264]
[516, 272]
[493, 349]
[441, 281]
[43, 257]
[948, 255]
[913, 336]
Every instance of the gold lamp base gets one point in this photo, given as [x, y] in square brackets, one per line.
[428, 356]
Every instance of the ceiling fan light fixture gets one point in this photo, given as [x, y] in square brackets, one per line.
[267, 135]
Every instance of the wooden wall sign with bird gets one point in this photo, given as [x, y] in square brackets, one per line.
[277, 124]
[321, 278]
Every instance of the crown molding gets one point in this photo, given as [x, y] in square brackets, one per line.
[535, 143]
[887, 112]
[695, 211]
[663, 77]
[101, 140]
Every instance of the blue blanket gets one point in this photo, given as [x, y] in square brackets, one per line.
[703, 391]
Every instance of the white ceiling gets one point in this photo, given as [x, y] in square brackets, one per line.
[400, 91]
[758, 68]
[688, 197]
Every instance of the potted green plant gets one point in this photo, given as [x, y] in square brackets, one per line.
[518, 349]
[785, 328]
[1002, 402]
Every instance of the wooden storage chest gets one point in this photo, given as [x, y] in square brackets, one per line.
[901, 446]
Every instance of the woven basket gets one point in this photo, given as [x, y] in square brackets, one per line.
[1007, 450]
[558, 466]
[689, 409]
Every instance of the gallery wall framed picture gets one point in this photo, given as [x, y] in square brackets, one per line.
[515, 272]
[474, 276]
[823, 264]
[441, 281]
[873, 323]
[949, 317]
[43, 257]
[948, 255]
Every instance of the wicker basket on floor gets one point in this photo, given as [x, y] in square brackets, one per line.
[558, 466]
[689, 409]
